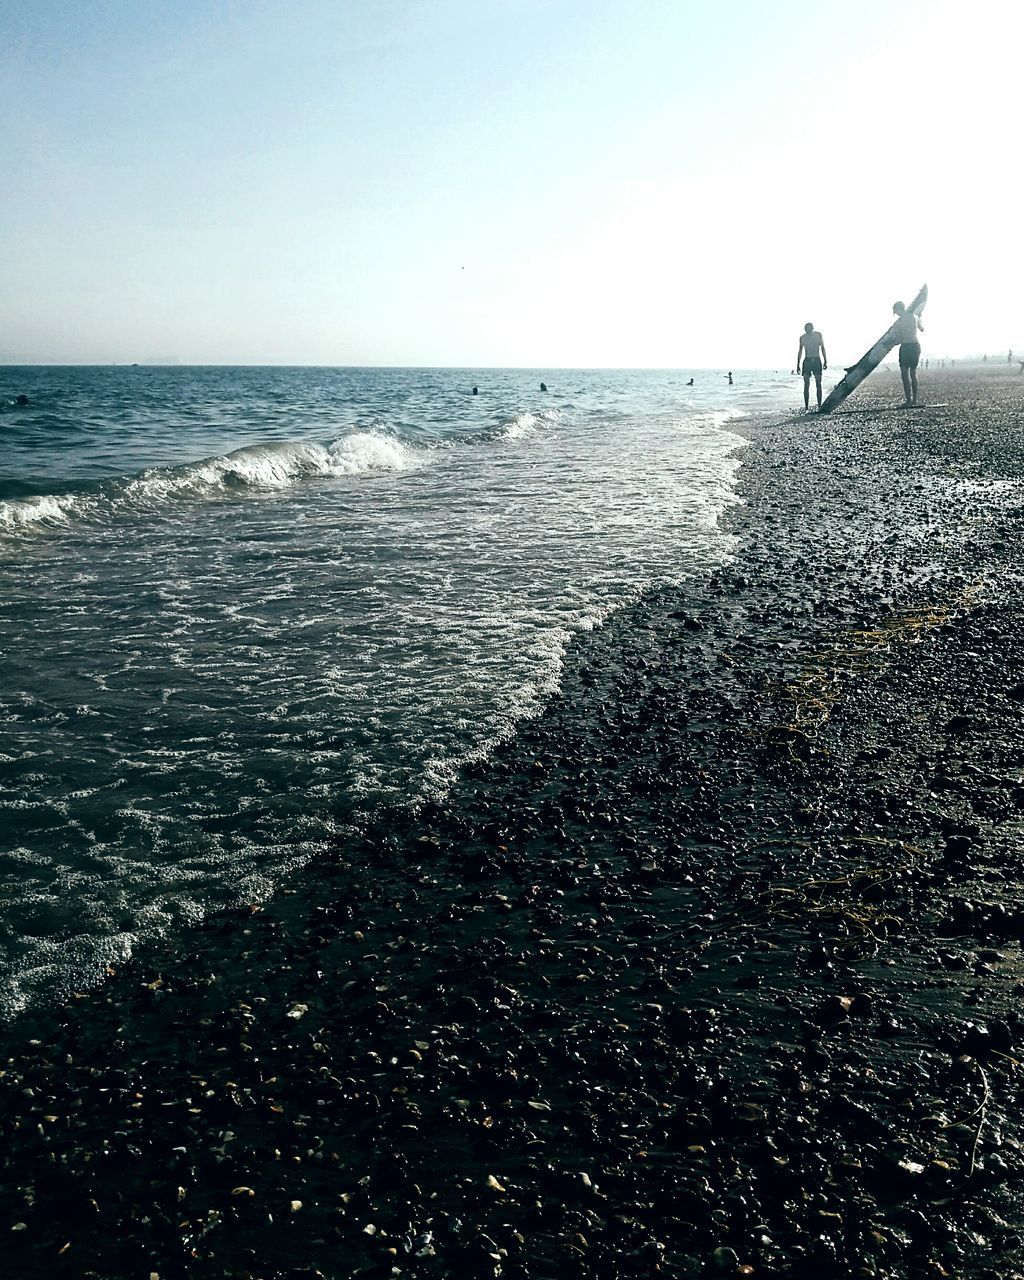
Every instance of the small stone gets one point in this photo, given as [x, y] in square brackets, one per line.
[960, 724]
[834, 1008]
[958, 847]
[493, 1183]
[725, 1259]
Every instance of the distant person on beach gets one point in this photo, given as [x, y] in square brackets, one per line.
[811, 358]
[475, 392]
[729, 376]
[908, 326]
[690, 383]
[543, 386]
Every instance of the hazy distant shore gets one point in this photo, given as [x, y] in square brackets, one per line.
[715, 966]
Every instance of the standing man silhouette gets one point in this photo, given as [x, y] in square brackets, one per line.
[908, 326]
[810, 360]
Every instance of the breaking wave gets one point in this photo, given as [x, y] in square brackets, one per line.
[522, 426]
[256, 467]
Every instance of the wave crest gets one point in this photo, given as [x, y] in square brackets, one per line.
[262, 466]
[24, 513]
[523, 425]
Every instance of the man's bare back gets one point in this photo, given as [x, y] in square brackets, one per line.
[811, 344]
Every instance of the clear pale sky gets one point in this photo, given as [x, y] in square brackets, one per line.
[506, 182]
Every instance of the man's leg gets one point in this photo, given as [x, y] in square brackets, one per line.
[817, 387]
[905, 375]
[807, 390]
[913, 384]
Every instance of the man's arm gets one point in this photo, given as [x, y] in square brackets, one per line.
[799, 353]
[824, 357]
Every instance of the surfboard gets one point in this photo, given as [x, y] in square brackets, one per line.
[871, 358]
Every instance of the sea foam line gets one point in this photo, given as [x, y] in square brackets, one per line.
[256, 467]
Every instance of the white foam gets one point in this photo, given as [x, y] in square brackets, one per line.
[256, 467]
[47, 509]
[259, 467]
[369, 451]
[272, 466]
[523, 424]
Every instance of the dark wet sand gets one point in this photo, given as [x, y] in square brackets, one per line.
[715, 970]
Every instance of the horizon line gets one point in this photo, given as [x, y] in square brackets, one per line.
[526, 368]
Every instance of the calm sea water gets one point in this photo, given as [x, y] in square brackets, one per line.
[241, 607]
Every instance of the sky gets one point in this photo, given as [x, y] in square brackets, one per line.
[536, 183]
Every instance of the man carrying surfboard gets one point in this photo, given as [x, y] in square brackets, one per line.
[908, 325]
[810, 360]
[874, 355]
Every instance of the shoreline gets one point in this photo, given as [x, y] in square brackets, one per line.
[711, 967]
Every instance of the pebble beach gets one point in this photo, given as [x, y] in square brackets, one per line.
[712, 969]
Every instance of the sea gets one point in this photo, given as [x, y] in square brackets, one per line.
[244, 611]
